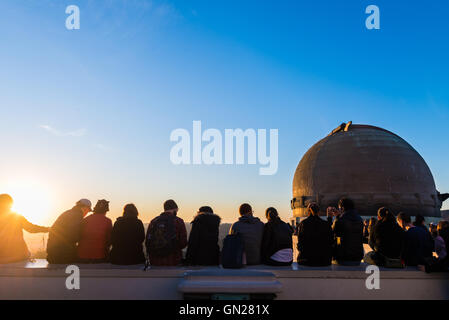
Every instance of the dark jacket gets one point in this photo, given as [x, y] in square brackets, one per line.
[203, 246]
[277, 235]
[63, 237]
[386, 238]
[251, 229]
[348, 235]
[128, 234]
[417, 247]
[314, 242]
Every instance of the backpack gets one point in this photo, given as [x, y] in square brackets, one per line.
[161, 236]
[232, 252]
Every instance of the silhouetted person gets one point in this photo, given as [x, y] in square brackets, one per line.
[66, 233]
[348, 234]
[418, 245]
[127, 236]
[12, 245]
[95, 241]
[440, 264]
[203, 246]
[386, 241]
[368, 228]
[315, 239]
[166, 237]
[420, 221]
[251, 230]
[277, 244]
[433, 229]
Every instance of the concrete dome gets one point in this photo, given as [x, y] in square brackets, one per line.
[370, 165]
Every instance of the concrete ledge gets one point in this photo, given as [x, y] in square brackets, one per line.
[38, 280]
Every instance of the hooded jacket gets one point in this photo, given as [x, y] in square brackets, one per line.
[127, 236]
[348, 233]
[203, 246]
[251, 229]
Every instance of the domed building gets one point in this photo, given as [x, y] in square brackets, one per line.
[372, 166]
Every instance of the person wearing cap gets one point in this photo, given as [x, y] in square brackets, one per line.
[65, 233]
[96, 228]
[13, 247]
[166, 237]
[203, 249]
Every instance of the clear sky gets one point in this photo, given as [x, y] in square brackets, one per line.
[89, 112]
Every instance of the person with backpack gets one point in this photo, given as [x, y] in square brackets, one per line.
[277, 243]
[203, 246]
[127, 236]
[13, 247]
[95, 235]
[66, 233]
[166, 237]
[250, 229]
[315, 239]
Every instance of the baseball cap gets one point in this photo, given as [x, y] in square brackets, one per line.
[84, 203]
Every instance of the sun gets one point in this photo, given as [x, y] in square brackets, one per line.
[31, 200]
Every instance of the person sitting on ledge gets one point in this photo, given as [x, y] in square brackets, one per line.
[65, 234]
[166, 237]
[203, 246]
[12, 245]
[127, 236]
[251, 229]
[95, 235]
[348, 234]
[441, 264]
[386, 241]
[417, 248]
[314, 239]
[277, 244]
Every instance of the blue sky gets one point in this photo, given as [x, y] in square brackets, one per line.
[110, 93]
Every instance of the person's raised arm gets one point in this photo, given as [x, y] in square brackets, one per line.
[33, 228]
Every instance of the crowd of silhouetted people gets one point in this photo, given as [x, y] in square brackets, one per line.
[76, 237]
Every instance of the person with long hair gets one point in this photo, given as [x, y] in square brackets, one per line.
[386, 241]
[277, 244]
[127, 236]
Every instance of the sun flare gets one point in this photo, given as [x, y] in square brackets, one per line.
[32, 200]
